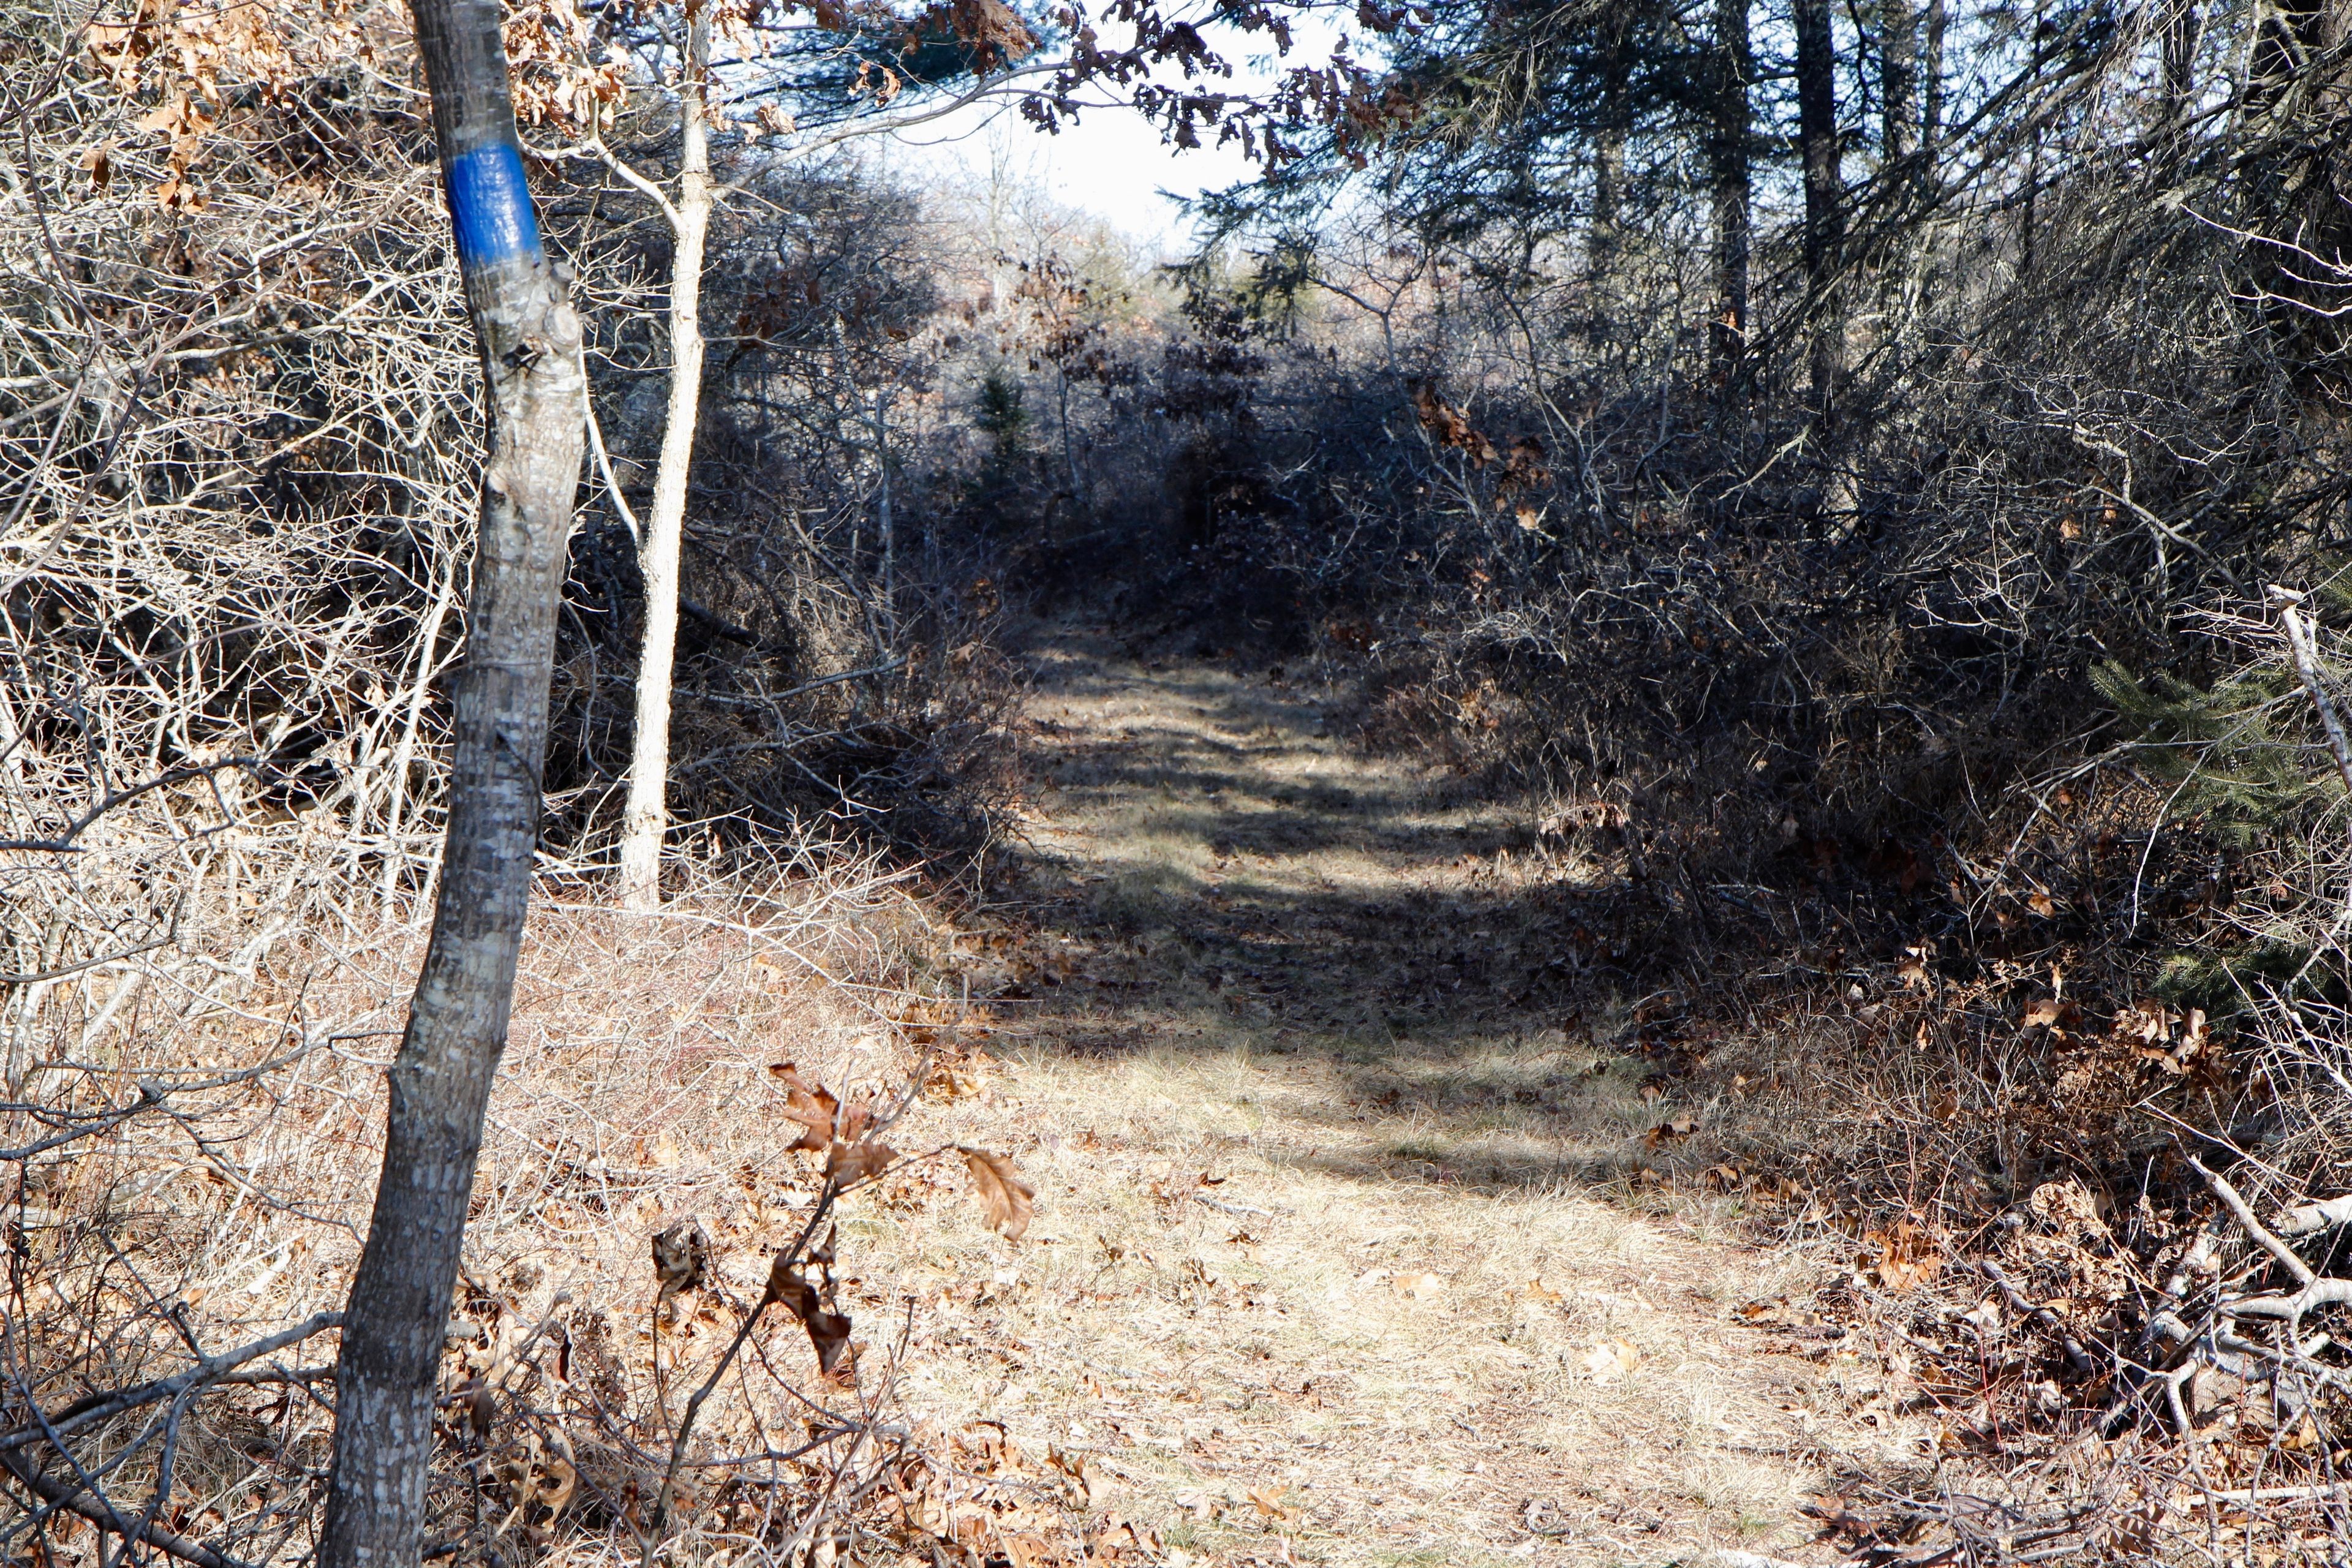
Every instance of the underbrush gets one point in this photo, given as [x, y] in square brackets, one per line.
[191, 1136]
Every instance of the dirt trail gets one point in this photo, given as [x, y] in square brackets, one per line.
[1327, 1263]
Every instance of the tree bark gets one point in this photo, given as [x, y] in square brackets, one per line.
[1608, 141]
[1817, 136]
[1931, 95]
[1898, 82]
[885, 519]
[536, 402]
[647, 815]
[1729, 178]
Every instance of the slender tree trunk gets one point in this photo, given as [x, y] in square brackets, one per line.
[1608, 141]
[1817, 135]
[884, 519]
[1931, 95]
[440, 1081]
[1899, 83]
[647, 815]
[1728, 167]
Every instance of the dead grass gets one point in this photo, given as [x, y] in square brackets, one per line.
[635, 1093]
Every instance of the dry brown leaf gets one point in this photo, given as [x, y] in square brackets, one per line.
[1907, 1254]
[1008, 1200]
[1269, 1502]
[848, 1163]
[810, 1104]
[1668, 1131]
[827, 1331]
[165, 116]
[2050, 1014]
[1421, 1286]
[1079, 1467]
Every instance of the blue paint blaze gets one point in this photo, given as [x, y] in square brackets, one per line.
[489, 205]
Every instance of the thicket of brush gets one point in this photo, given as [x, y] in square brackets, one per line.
[238, 463]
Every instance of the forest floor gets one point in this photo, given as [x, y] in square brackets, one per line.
[1342, 1253]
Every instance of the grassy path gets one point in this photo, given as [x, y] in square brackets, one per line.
[1329, 1269]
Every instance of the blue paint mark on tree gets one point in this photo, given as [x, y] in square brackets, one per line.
[489, 205]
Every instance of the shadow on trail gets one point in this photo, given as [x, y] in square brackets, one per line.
[1210, 872]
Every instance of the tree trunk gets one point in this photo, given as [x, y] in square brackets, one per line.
[1727, 168]
[440, 1081]
[1931, 95]
[884, 518]
[642, 824]
[1932, 90]
[1817, 135]
[1898, 82]
[1608, 141]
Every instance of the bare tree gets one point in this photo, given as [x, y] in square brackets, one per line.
[647, 814]
[1898, 46]
[1817, 136]
[1728, 161]
[440, 1081]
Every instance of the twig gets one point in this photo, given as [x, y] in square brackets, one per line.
[2021, 1304]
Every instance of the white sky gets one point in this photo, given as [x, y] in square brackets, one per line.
[1113, 164]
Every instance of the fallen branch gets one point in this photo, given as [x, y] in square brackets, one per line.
[2310, 1219]
[2244, 1214]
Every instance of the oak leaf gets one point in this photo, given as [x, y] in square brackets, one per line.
[810, 1104]
[848, 1163]
[1008, 1200]
[828, 1332]
[1270, 1503]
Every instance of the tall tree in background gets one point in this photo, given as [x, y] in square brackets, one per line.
[1931, 96]
[1733, 70]
[1898, 81]
[536, 405]
[1823, 194]
[838, 70]
[1612, 127]
[1824, 233]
